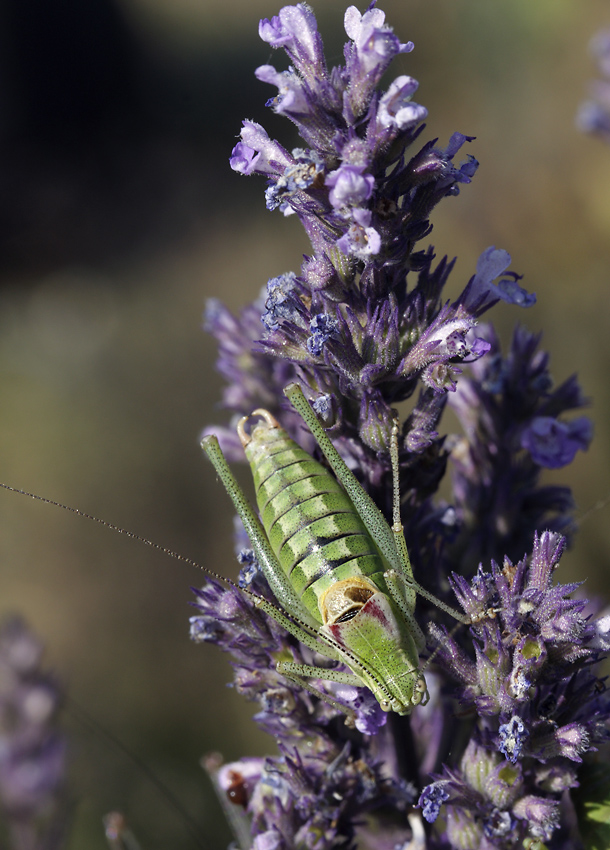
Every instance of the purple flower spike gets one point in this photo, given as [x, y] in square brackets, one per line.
[33, 800]
[514, 706]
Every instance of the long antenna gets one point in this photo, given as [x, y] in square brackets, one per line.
[131, 534]
[259, 601]
[190, 824]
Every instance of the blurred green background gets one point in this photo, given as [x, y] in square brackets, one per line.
[119, 215]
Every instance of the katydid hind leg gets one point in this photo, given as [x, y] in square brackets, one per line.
[277, 579]
[309, 671]
[389, 540]
[398, 591]
[302, 682]
[411, 587]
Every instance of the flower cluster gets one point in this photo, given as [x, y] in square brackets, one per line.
[257, 643]
[362, 327]
[349, 327]
[32, 750]
[538, 703]
[325, 776]
[594, 114]
[514, 426]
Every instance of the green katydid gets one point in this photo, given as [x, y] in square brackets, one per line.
[340, 574]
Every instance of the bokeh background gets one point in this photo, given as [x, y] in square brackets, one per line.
[119, 215]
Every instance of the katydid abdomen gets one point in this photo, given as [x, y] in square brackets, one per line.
[310, 521]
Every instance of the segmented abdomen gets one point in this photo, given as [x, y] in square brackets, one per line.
[310, 521]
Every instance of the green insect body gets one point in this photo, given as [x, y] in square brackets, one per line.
[340, 574]
[329, 557]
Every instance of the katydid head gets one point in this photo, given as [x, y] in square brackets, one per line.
[365, 622]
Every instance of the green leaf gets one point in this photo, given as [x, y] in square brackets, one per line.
[592, 804]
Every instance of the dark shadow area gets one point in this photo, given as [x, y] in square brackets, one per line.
[110, 144]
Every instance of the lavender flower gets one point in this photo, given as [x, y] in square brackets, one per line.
[324, 778]
[363, 326]
[513, 429]
[32, 750]
[539, 704]
[594, 114]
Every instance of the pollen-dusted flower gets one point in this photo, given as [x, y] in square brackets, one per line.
[512, 736]
[432, 798]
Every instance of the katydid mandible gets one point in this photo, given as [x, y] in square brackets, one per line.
[340, 574]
